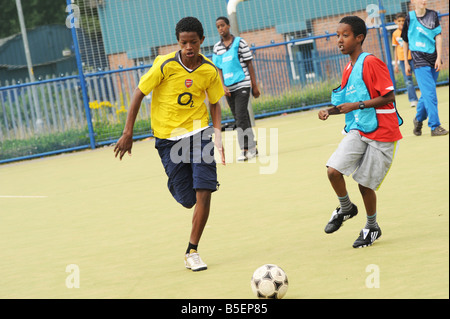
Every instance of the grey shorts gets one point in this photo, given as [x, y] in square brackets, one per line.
[369, 161]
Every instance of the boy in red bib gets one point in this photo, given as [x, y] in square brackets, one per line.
[366, 97]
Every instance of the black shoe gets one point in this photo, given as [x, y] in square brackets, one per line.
[439, 131]
[417, 127]
[338, 217]
[367, 236]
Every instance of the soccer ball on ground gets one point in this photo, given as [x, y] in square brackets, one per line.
[269, 282]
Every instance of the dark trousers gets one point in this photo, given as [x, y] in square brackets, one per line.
[238, 102]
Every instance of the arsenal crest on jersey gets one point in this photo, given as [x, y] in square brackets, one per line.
[188, 83]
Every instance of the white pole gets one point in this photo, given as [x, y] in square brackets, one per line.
[23, 30]
[231, 10]
[25, 40]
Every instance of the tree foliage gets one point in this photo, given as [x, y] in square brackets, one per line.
[35, 13]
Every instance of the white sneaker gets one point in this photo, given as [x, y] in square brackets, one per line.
[246, 155]
[243, 156]
[193, 261]
[251, 153]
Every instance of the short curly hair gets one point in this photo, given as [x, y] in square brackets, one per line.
[357, 24]
[189, 24]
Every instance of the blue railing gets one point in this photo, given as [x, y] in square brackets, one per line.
[70, 113]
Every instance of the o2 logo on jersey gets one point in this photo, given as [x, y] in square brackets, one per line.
[185, 99]
[188, 83]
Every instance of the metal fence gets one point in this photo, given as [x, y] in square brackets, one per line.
[49, 117]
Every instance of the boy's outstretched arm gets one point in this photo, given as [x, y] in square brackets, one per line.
[375, 102]
[125, 142]
[351, 106]
[324, 114]
[216, 116]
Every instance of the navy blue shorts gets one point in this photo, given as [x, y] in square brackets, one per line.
[189, 164]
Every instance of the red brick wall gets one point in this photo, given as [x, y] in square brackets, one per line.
[269, 74]
[117, 60]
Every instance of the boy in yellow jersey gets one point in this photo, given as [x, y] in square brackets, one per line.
[180, 81]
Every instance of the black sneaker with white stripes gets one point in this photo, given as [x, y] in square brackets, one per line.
[366, 237]
[338, 217]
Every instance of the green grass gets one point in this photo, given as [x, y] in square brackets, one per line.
[107, 129]
[117, 221]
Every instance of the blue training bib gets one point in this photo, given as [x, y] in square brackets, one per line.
[355, 90]
[230, 64]
[421, 38]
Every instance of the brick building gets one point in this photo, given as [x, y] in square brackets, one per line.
[291, 32]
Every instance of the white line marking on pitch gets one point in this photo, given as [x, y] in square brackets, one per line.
[21, 196]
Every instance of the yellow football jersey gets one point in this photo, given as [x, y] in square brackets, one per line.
[178, 99]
